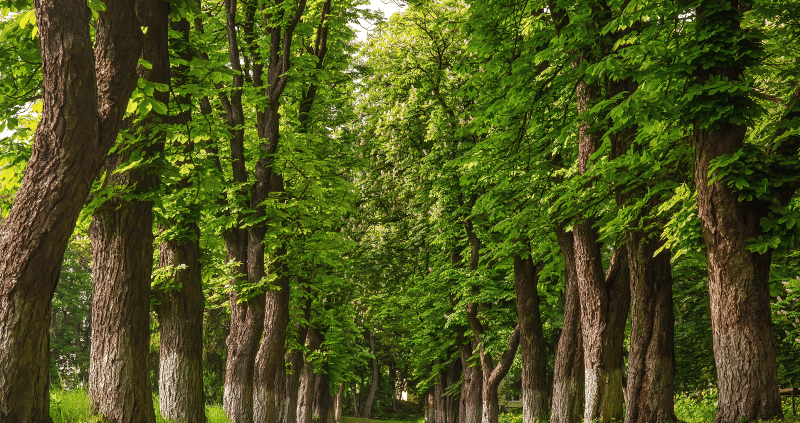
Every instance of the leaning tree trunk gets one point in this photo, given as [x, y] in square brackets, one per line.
[492, 375]
[373, 387]
[70, 144]
[738, 280]
[535, 389]
[568, 374]
[122, 243]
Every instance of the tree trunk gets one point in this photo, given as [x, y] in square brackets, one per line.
[337, 415]
[373, 387]
[355, 399]
[604, 301]
[180, 313]
[744, 345]
[323, 400]
[70, 144]
[535, 387]
[271, 350]
[122, 242]
[181, 304]
[568, 374]
[305, 401]
[492, 375]
[651, 364]
[247, 326]
[295, 358]
[471, 401]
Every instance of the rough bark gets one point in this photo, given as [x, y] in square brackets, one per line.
[305, 401]
[70, 144]
[535, 386]
[744, 345]
[651, 363]
[121, 233]
[471, 400]
[604, 300]
[445, 407]
[180, 307]
[180, 314]
[270, 353]
[323, 400]
[355, 399]
[568, 374]
[373, 386]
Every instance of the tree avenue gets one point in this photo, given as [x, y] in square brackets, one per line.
[476, 211]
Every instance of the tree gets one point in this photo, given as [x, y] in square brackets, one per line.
[70, 145]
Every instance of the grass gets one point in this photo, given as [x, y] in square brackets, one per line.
[73, 407]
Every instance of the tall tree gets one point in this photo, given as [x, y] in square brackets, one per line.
[744, 344]
[71, 142]
[122, 246]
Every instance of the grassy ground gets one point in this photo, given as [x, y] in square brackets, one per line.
[73, 407]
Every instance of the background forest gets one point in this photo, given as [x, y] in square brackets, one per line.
[588, 208]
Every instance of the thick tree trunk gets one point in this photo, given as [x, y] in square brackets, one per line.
[122, 242]
[180, 314]
[271, 350]
[247, 326]
[70, 144]
[535, 389]
[471, 401]
[323, 400]
[744, 345]
[445, 407]
[568, 374]
[373, 387]
[604, 300]
[181, 305]
[308, 382]
[651, 364]
[337, 415]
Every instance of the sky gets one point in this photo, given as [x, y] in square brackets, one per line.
[388, 7]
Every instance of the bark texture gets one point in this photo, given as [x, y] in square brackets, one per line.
[568, 374]
[493, 374]
[604, 300]
[270, 353]
[651, 363]
[70, 144]
[122, 242]
[744, 345]
[339, 404]
[535, 386]
[471, 400]
[443, 408]
[180, 314]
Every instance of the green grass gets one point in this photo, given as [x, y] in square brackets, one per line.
[73, 407]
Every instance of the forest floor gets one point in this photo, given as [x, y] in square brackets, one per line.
[73, 407]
